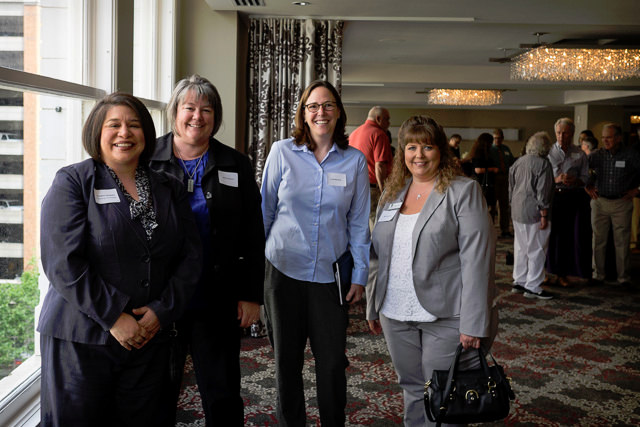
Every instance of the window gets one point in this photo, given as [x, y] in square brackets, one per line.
[56, 59]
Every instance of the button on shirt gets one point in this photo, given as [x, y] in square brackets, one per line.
[573, 162]
[314, 211]
[615, 174]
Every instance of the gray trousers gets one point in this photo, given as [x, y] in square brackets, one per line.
[417, 348]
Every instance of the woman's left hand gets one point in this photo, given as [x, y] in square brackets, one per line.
[149, 322]
[355, 293]
[248, 313]
[469, 342]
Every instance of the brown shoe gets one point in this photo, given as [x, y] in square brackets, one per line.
[562, 281]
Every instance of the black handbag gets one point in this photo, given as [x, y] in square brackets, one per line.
[473, 396]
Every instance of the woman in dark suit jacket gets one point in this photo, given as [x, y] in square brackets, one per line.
[435, 245]
[122, 254]
[225, 199]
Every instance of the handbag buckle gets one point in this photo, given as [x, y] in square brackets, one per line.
[471, 396]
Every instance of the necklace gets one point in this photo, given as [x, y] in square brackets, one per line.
[426, 190]
[190, 181]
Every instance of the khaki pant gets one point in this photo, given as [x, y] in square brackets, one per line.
[616, 213]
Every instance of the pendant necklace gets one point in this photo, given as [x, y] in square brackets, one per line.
[190, 181]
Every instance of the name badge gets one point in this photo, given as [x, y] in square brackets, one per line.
[103, 197]
[396, 205]
[576, 155]
[229, 179]
[387, 215]
[620, 163]
[337, 179]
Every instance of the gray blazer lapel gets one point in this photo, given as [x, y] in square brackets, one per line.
[435, 199]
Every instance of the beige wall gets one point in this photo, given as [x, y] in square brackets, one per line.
[207, 44]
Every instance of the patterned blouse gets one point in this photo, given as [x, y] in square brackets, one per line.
[142, 209]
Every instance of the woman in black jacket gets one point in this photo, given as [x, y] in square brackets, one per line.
[226, 202]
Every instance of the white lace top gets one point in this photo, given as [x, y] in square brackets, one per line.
[401, 302]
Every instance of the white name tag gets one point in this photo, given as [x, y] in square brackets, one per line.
[387, 215]
[396, 205]
[103, 197]
[228, 178]
[620, 163]
[337, 179]
[576, 155]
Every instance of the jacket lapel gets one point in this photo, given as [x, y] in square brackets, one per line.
[162, 199]
[433, 201]
[104, 180]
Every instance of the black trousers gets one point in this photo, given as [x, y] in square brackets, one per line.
[296, 310]
[213, 340]
[569, 251]
[104, 385]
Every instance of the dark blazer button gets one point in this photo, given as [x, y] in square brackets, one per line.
[144, 283]
[146, 259]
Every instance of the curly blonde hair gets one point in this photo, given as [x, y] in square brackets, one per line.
[425, 131]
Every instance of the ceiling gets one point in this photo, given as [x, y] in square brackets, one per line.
[395, 48]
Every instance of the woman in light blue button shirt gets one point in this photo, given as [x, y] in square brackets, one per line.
[315, 206]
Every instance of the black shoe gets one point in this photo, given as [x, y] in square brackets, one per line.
[517, 289]
[540, 295]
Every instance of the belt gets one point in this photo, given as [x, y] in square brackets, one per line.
[616, 197]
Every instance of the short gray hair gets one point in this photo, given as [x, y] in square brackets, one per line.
[201, 88]
[565, 121]
[539, 144]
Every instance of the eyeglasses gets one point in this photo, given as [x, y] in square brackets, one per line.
[314, 107]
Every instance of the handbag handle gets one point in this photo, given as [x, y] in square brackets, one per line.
[453, 370]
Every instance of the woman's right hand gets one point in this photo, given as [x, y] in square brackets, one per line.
[128, 332]
[375, 326]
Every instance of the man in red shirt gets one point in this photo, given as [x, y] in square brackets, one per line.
[371, 138]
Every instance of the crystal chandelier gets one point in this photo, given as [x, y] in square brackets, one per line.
[575, 64]
[464, 97]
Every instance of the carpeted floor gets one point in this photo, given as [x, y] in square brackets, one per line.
[574, 360]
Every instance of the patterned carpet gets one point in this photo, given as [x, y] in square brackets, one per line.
[574, 360]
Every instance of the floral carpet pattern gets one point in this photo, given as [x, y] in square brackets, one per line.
[574, 360]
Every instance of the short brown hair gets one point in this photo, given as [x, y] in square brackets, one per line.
[301, 132]
[92, 130]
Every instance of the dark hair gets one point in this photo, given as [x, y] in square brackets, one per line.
[422, 130]
[202, 88]
[92, 130]
[481, 146]
[588, 133]
[456, 136]
[301, 133]
[498, 131]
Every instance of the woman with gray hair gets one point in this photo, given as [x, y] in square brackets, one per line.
[225, 200]
[530, 192]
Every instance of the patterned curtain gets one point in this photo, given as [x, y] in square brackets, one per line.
[285, 55]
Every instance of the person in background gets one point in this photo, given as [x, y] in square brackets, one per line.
[121, 251]
[588, 144]
[584, 135]
[315, 204]
[454, 145]
[530, 194]
[502, 158]
[371, 138]
[226, 202]
[436, 249]
[569, 251]
[612, 188]
[484, 168]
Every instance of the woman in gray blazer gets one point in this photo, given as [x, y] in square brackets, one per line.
[436, 249]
